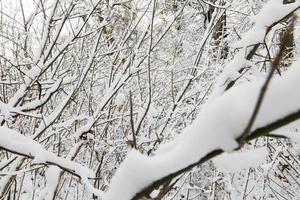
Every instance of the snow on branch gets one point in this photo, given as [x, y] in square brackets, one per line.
[39, 102]
[19, 144]
[271, 14]
[233, 162]
[218, 126]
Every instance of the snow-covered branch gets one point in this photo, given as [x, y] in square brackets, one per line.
[16, 143]
[216, 129]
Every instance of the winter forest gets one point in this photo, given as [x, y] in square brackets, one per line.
[149, 99]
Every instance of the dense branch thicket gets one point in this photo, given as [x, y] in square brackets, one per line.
[85, 82]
